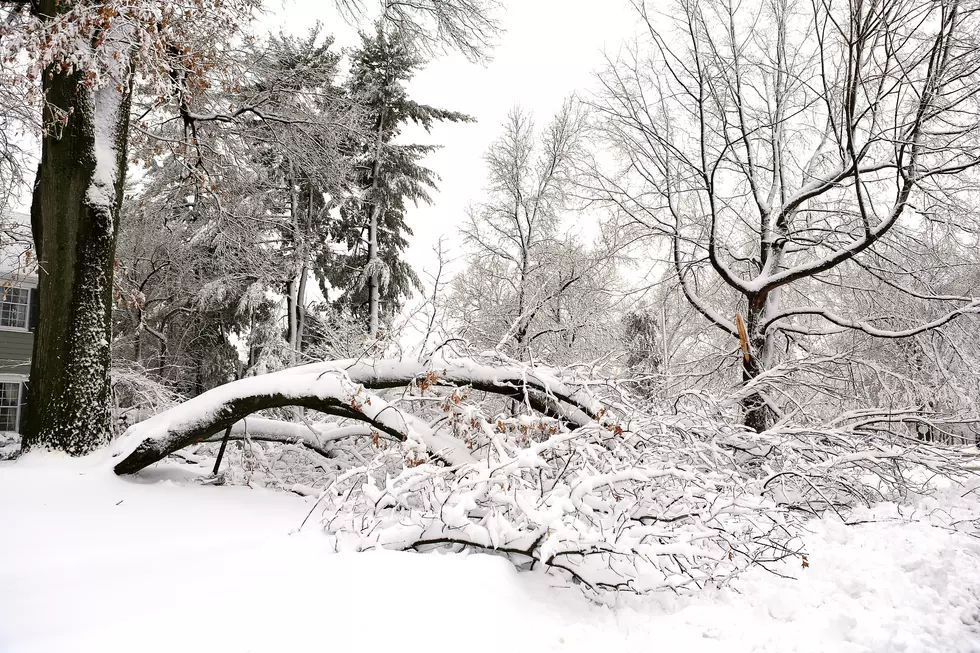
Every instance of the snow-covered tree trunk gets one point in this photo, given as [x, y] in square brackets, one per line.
[341, 388]
[374, 289]
[74, 215]
[374, 296]
[758, 416]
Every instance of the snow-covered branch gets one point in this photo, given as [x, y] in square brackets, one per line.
[972, 307]
[314, 436]
[323, 388]
[340, 388]
[681, 501]
[604, 515]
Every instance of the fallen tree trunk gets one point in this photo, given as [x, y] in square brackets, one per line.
[338, 388]
[326, 390]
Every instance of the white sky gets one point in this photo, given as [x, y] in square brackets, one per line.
[551, 49]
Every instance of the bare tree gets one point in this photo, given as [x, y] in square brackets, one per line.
[527, 283]
[789, 154]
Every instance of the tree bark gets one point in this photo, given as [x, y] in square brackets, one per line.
[374, 295]
[75, 218]
[758, 414]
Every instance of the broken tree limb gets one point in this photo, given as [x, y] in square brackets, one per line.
[324, 389]
[339, 388]
[543, 391]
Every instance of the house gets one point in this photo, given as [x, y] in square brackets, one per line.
[18, 312]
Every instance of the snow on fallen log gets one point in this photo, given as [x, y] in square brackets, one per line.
[320, 387]
[339, 388]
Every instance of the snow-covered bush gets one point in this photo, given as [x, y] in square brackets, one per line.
[9, 445]
[137, 393]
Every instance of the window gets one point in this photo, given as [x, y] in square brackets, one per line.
[14, 303]
[10, 406]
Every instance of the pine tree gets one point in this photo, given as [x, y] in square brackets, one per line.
[372, 275]
[214, 234]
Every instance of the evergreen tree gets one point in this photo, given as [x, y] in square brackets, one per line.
[389, 176]
[213, 236]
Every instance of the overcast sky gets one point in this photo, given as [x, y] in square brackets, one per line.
[551, 49]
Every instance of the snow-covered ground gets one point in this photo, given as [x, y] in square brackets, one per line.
[93, 562]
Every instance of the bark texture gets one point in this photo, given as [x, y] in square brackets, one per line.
[75, 219]
[758, 414]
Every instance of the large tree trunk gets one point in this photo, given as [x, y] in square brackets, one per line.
[322, 387]
[75, 216]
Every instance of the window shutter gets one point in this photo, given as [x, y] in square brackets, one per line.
[35, 306]
[22, 421]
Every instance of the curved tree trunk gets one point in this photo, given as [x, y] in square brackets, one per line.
[339, 388]
[151, 450]
[75, 215]
[320, 387]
